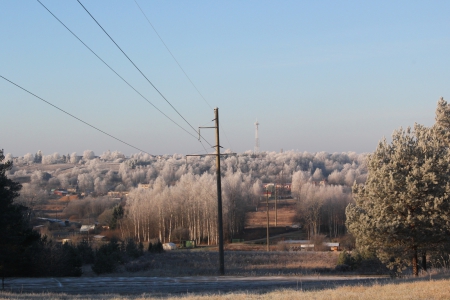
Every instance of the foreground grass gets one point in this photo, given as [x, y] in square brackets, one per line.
[242, 263]
[434, 289]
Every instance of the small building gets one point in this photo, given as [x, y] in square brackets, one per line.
[307, 245]
[333, 246]
[87, 228]
[60, 192]
[169, 246]
[117, 194]
[188, 244]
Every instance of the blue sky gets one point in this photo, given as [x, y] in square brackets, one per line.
[318, 75]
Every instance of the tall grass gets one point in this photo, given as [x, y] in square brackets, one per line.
[245, 263]
[434, 289]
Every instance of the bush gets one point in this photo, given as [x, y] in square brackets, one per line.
[132, 250]
[365, 261]
[108, 257]
[155, 248]
[345, 259]
[49, 259]
[86, 253]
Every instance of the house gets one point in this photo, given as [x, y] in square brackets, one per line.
[143, 186]
[307, 245]
[333, 246]
[87, 228]
[60, 192]
[117, 194]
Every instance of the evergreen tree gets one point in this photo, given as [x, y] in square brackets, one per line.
[118, 213]
[15, 234]
[404, 207]
[38, 157]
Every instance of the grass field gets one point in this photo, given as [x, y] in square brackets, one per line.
[285, 214]
[244, 263]
[398, 290]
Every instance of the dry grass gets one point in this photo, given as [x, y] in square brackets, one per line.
[285, 214]
[435, 289]
[243, 263]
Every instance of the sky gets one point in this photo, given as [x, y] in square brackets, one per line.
[332, 76]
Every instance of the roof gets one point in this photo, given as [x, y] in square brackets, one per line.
[87, 228]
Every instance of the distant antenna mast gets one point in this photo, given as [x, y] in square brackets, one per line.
[256, 137]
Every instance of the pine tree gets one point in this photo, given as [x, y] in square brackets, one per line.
[15, 235]
[118, 213]
[404, 207]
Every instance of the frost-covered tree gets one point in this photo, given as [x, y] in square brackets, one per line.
[28, 158]
[86, 182]
[88, 154]
[74, 158]
[404, 207]
[31, 195]
[299, 179]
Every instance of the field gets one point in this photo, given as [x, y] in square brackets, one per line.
[285, 214]
[422, 288]
[237, 263]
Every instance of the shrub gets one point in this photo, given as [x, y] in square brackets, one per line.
[49, 259]
[131, 249]
[108, 257]
[86, 253]
[155, 248]
[345, 259]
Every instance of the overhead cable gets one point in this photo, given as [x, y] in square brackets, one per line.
[114, 70]
[76, 118]
[123, 52]
[181, 68]
[173, 55]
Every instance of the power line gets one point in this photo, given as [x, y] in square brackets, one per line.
[114, 70]
[92, 126]
[139, 69]
[187, 76]
[172, 55]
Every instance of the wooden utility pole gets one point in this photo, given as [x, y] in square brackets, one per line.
[276, 212]
[267, 202]
[219, 195]
[219, 188]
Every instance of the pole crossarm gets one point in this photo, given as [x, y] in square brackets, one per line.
[222, 154]
[210, 127]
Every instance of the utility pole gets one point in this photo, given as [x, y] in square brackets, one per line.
[276, 212]
[219, 189]
[219, 195]
[267, 202]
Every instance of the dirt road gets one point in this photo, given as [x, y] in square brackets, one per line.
[178, 285]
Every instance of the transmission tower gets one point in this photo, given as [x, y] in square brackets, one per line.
[256, 137]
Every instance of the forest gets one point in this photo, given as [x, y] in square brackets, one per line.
[179, 198]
